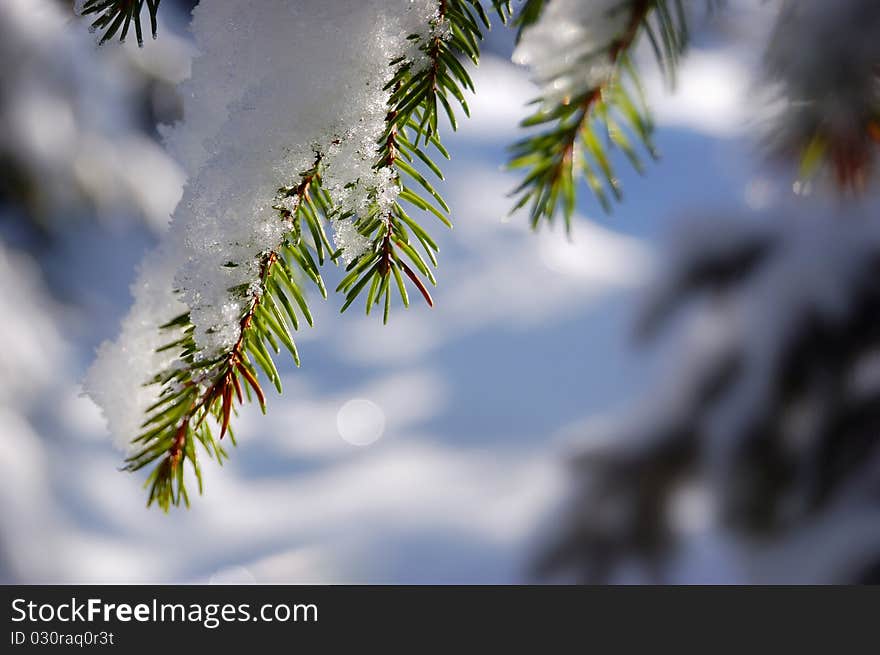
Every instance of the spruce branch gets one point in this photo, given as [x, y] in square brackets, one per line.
[196, 393]
[117, 16]
[418, 90]
[586, 120]
[218, 364]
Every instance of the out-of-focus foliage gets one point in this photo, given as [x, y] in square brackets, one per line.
[765, 426]
[768, 417]
[824, 58]
[77, 126]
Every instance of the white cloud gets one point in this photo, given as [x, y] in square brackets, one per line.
[710, 97]
[503, 91]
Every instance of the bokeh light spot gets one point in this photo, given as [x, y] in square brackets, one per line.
[360, 422]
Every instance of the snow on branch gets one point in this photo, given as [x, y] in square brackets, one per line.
[297, 117]
[580, 56]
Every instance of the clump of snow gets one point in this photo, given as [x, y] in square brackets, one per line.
[567, 49]
[352, 242]
[275, 85]
[116, 382]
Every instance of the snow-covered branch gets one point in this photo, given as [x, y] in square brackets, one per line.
[327, 134]
[580, 56]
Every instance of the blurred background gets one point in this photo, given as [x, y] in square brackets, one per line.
[684, 391]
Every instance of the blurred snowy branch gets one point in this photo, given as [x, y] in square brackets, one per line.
[70, 135]
[769, 411]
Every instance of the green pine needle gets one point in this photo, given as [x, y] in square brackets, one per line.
[576, 134]
[117, 16]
